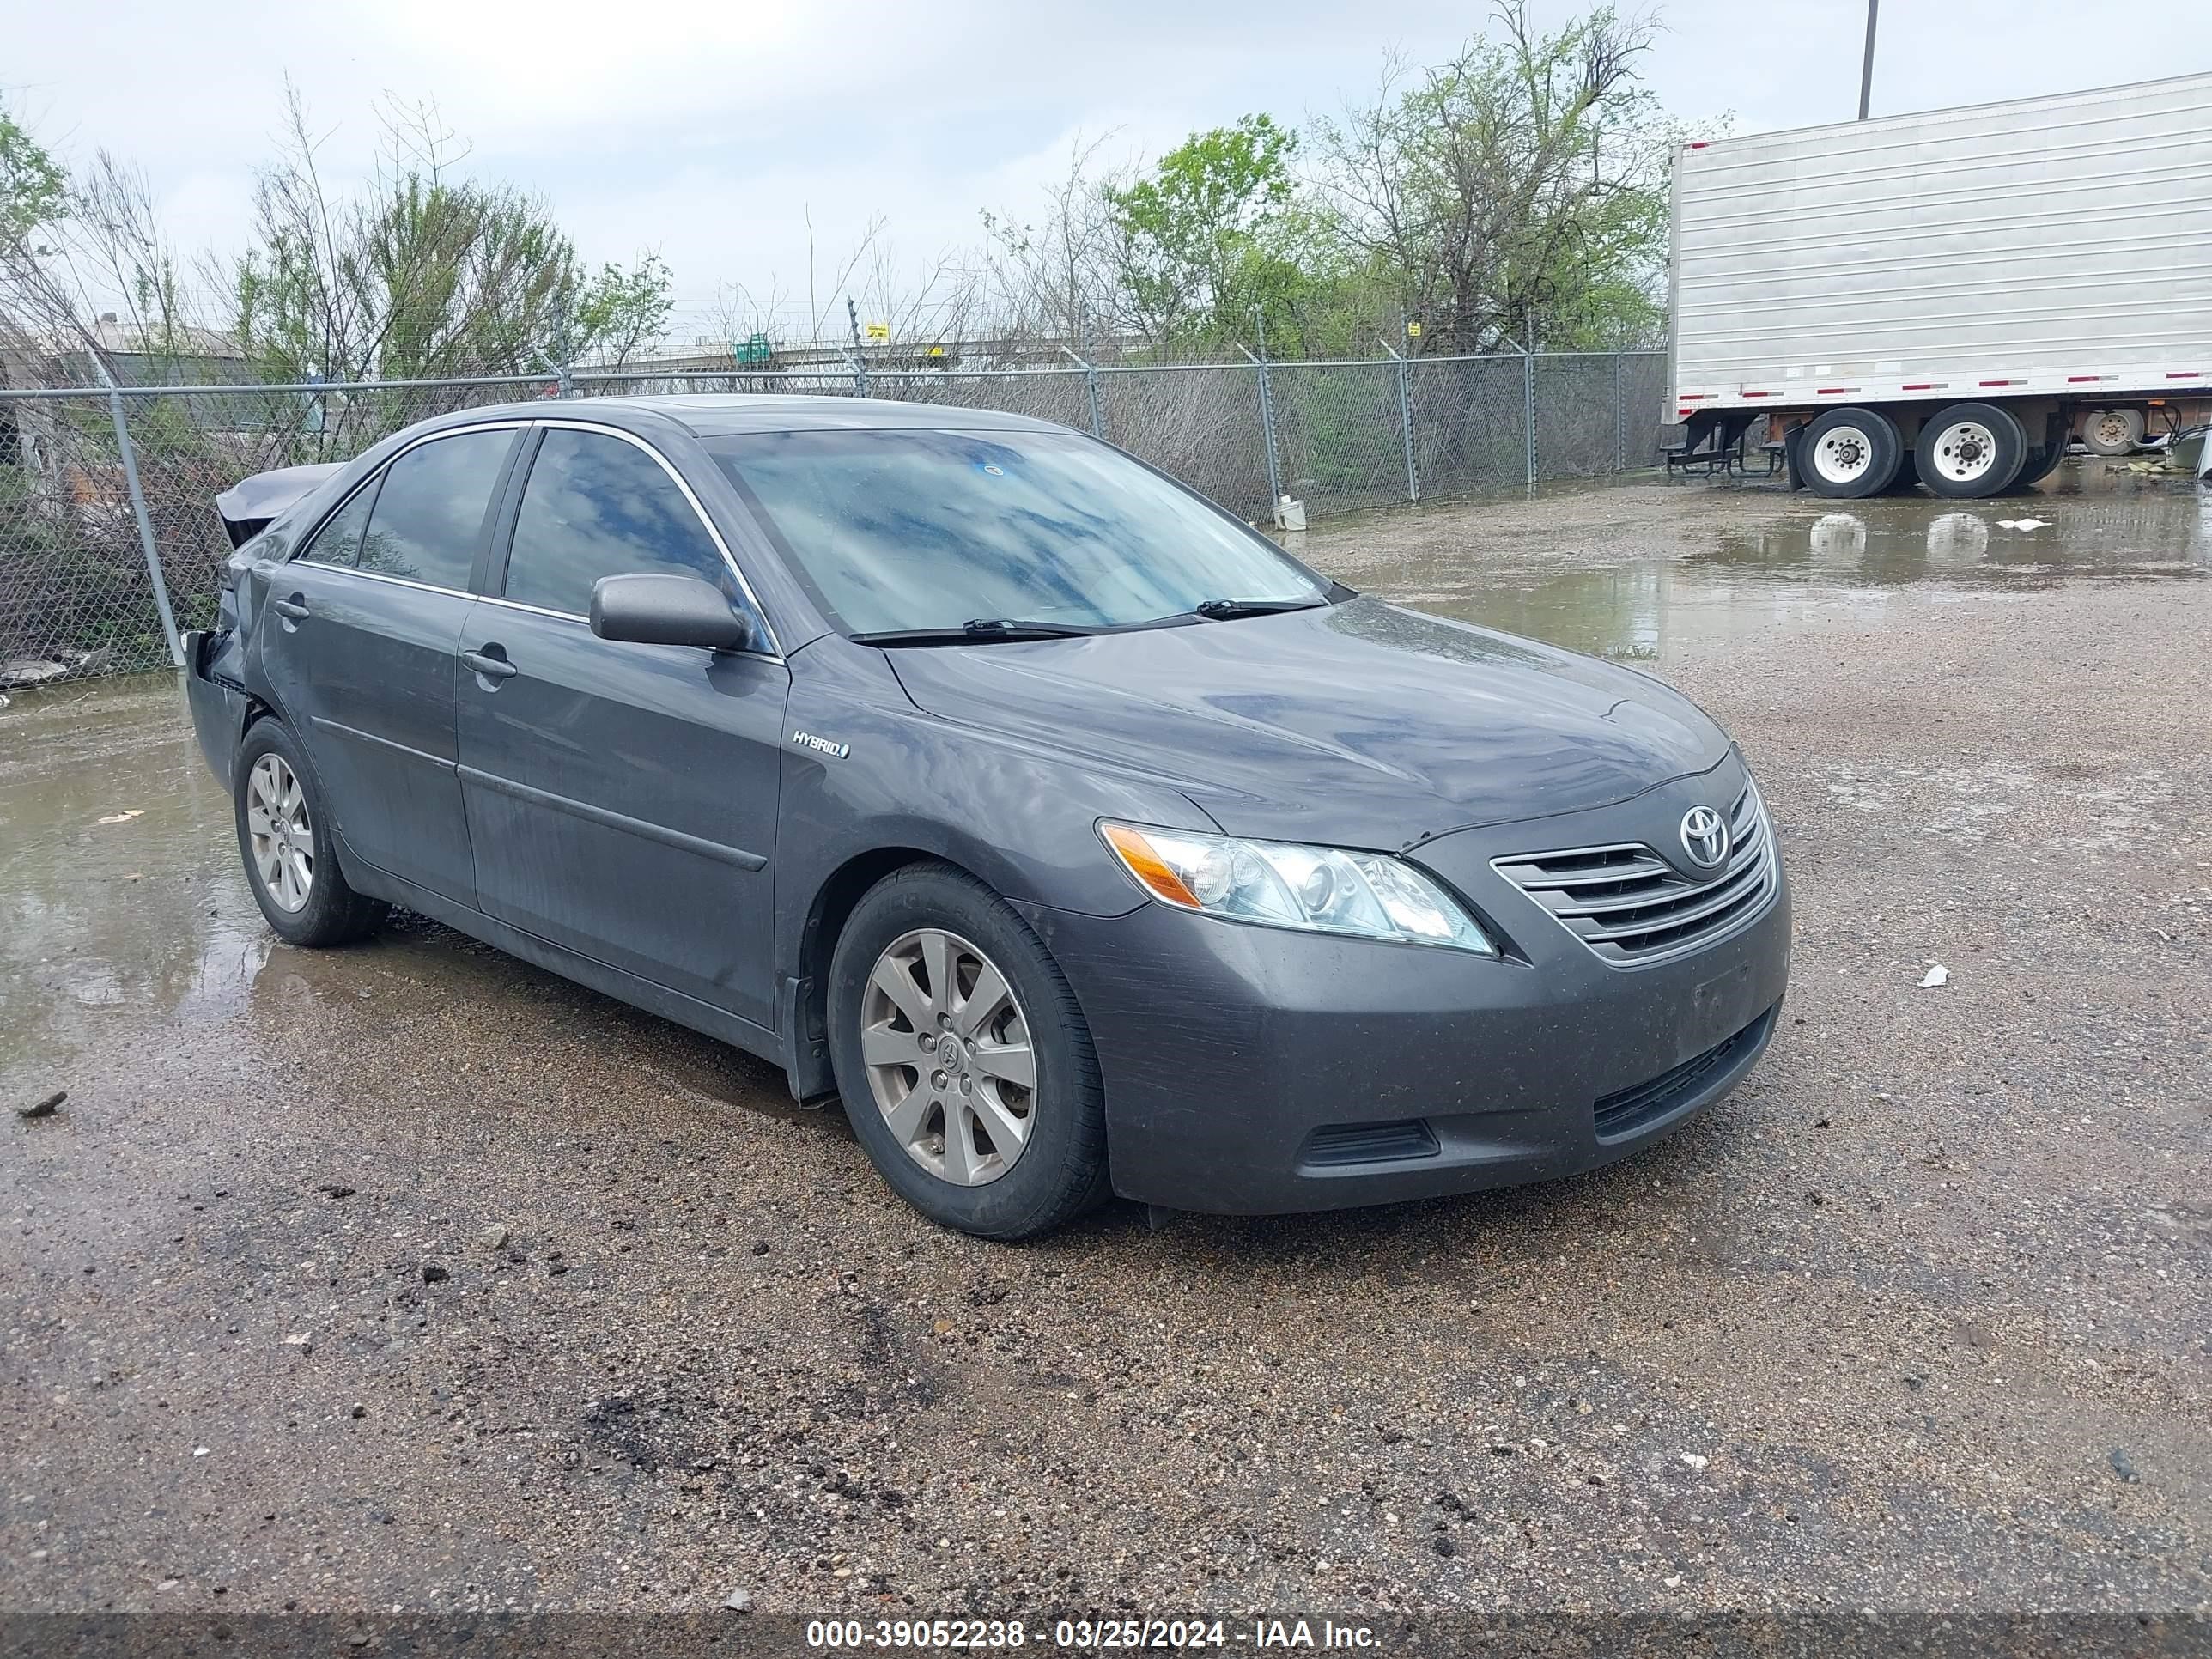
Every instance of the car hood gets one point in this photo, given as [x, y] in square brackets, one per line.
[1358, 724]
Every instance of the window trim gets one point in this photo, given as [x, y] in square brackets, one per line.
[375, 480]
[503, 549]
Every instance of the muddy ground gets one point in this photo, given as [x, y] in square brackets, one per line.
[1918, 1319]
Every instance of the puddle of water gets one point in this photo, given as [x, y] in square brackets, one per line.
[110, 930]
[97, 918]
[1648, 570]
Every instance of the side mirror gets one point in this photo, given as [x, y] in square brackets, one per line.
[669, 610]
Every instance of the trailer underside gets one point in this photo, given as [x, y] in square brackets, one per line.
[1970, 449]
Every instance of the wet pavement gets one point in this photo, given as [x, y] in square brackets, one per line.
[1917, 1319]
[1627, 570]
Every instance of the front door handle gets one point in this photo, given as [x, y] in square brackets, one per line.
[488, 667]
[296, 608]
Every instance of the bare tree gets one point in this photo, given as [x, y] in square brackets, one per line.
[1055, 277]
[75, 249]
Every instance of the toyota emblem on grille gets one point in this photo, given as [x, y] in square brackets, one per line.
[1705, 836]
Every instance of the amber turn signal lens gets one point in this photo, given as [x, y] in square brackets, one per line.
[1146, 866]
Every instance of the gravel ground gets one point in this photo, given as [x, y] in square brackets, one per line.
[407, 1276]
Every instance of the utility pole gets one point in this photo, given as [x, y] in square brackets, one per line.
[1866, 70]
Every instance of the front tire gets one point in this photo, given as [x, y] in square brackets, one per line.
[962, 1058]
[291, 857]
[1970, 451]
[1849, 454]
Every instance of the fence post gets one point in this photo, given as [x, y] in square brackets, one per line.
[859, 355]
[1091, 389]
[1405, 418]
[1619, 413]
[1266, 425]
[138, 511]
[564, 383]
[1528, 405]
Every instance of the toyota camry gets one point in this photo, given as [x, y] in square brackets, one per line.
[1070, 833]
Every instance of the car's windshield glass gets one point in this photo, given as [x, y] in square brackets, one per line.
[899, 529]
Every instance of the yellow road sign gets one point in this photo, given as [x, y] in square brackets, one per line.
[879, 331]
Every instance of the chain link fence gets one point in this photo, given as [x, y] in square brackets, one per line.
[110, 542]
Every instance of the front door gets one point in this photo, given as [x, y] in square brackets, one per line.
[621, 798]
[359, 645]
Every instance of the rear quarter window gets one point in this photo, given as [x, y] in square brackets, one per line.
[338, 542]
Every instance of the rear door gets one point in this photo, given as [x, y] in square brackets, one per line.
[621, 798]
[359, 642]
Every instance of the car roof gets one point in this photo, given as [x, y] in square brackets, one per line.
[707, 415]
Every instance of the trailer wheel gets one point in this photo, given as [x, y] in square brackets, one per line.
[1851, 453]
[2113, 431]
[2042, 461]
[1907, 481]
[1970, 451]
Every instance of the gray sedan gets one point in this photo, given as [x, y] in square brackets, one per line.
[1069, 831]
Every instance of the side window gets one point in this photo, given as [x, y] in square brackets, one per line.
[338, 542]
[597, 505]
[430, 513]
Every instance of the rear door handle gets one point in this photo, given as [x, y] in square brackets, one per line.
[489, 667]
[295, 607]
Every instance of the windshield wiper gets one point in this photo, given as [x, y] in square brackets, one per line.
[986, 628]
[1230, 610]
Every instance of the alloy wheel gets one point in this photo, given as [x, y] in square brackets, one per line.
[950, 1065]
[281, 834]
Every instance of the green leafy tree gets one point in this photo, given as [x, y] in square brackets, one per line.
[1209, 233]
[1518, 190]
[33, 185]
[423, 272]
[619, 313]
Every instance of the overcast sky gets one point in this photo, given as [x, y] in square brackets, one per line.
[707, 130]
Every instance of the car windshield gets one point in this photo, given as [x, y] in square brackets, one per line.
[899, 529]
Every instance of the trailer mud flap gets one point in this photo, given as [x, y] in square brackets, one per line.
[1793, 442]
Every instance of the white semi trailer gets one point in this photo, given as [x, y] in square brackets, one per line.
[1951, 297]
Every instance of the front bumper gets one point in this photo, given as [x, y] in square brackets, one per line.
[1253, 1071]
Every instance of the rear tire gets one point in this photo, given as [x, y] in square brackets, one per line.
[2113, 431]
[1907, 481]
[927, 1069]
[1849, 454]
[1970, 451]
[291, 857]
[2041, 463]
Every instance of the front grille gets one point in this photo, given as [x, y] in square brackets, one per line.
[1627, 1110]
[1339, 1144]
[1632, 906]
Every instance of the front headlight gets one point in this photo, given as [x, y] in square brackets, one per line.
[1318, 890]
